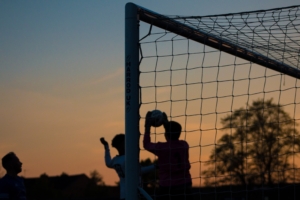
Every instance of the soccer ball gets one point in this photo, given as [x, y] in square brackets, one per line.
[157, 118]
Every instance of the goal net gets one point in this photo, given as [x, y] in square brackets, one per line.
[231, 81]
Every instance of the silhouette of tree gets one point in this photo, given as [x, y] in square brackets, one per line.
[96, 178]
[258, 149]
[43, 189]
[96, 186]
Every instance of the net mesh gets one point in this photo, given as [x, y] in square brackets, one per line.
[239, 118]
[273, 33]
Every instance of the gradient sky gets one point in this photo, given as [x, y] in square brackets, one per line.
[62, 77]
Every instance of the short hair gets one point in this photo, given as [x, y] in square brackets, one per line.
[173, 130]
[7, 158]
[117, 140]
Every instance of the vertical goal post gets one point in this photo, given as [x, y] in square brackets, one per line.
[260, 50]
[131, 101]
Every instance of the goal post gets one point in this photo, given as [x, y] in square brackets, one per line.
[131, 101]
[207, 73]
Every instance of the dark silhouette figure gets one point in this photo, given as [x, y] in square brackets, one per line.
[173, 160]
[118, 162]
[11, 185]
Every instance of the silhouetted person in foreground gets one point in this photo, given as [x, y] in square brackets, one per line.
[118, 162]
[173, 160]
[11, 185]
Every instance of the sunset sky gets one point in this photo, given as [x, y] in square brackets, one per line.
[62, 77]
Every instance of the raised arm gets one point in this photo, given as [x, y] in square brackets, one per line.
[148, 145]
[107, 157]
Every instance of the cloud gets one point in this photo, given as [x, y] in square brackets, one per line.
[106, 78]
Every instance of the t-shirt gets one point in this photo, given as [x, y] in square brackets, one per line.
[118, 163]
[13, 187]
[173, 161]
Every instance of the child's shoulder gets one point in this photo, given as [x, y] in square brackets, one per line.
[183, 143]
[178, 145]
[119, 157]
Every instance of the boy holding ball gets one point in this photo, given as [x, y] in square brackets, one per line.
[173, 160]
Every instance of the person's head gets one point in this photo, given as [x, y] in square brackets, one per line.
[119, 142]
[11, 163]
[172, 130]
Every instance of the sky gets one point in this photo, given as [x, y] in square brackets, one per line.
[62, 77]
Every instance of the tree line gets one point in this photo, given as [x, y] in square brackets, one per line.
[258, 147]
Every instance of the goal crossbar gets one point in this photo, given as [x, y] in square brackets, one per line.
[213, 41]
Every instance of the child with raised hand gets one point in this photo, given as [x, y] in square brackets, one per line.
[118, 162]
[173, 160]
